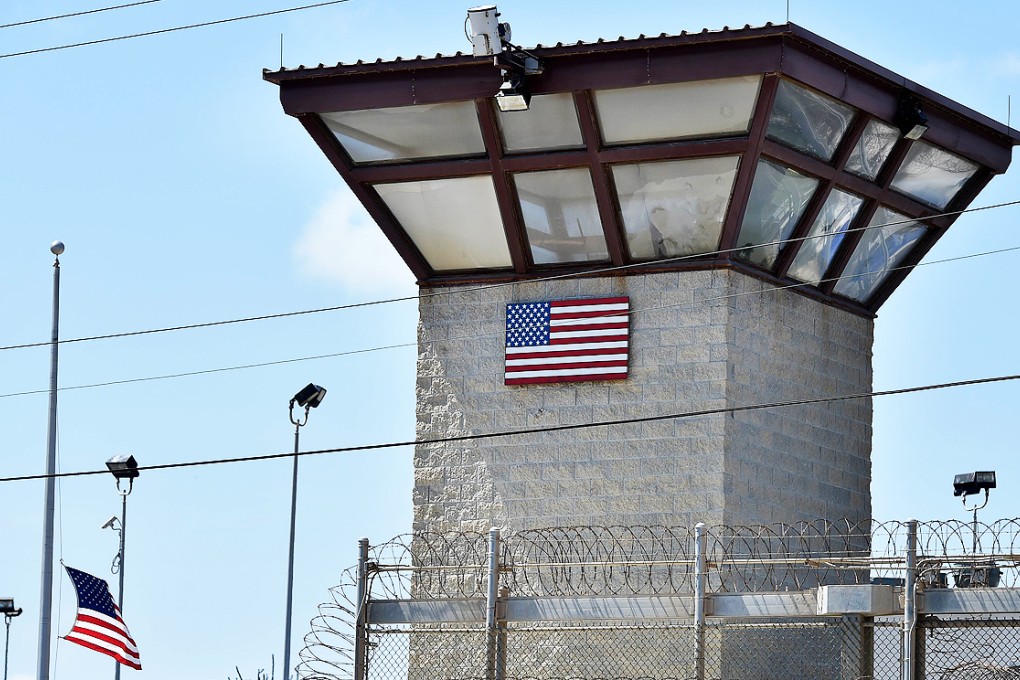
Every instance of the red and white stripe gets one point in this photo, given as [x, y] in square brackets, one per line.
[102, 634]
[588, 340]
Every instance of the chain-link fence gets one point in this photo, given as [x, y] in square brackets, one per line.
[817, 600]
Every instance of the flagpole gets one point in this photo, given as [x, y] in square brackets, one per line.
[46, 597]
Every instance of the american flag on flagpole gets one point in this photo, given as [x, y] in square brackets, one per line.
[567, 340]
[98, 625]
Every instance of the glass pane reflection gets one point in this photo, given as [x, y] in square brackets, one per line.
[549, 123]
[675, 208]
[406, 132]
[778, 198]
[881, 249]
[932, 175]
[561, 216]
[872, 149]
[808, 121]
[454, 222]
[817, 250]
[696, 109]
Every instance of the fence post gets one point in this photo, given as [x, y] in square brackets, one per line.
[910, 604]
[493, 666]
[361, 615]
[700, 541]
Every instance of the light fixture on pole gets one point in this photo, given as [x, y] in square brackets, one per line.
[9, 611]
[49, 510]
[970, 484]
[123, 468]
[309, 397]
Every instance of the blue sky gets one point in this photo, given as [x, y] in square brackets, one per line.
[185, 195]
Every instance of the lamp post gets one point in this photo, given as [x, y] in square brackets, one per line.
[308, 398]
[8, 610]
[122, 468]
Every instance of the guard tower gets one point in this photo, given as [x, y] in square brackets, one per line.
[725, 211]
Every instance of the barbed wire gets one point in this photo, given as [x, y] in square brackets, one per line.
[656, 560]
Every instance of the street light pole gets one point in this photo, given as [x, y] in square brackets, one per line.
[9, 612]
[46, 594]
[122, 468]
[309, 397]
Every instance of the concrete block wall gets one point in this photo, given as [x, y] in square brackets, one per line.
[699, 341]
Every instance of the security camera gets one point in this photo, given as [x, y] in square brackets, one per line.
[487, 34]
[109, 523]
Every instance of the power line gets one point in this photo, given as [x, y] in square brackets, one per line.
[170, 30]
[485, 287]
[540, 430]
[381, 348]
[77, 14]
[222, 369]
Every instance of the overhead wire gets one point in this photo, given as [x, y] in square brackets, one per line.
[533, 431]
[171, 29]
[82, 13]
[490, 286]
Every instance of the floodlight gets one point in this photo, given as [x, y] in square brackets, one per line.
[513, 94]
[123, 467]
[7, 607]
[910, 119]
[970, 483]
[310, 396]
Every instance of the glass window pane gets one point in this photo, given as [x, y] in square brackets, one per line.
[549, 123]
[808, 121]
[932, 175]
[872, 149]
[699, 109]
[778, 198]
[883, 244]
[405, 132]
[817, 250]
[561, 217]
[454, 222]
[675, 208]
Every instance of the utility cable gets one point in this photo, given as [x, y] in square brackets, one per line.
[381, 348]
[173, 29]
[540, 430]
[77, 14]
[486, 287]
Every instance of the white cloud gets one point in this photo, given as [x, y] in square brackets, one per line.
[341, 244]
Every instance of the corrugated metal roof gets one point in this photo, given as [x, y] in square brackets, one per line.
[578, 47]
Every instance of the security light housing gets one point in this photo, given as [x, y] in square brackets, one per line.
[123, 467]
[310, 396]
[969, 483]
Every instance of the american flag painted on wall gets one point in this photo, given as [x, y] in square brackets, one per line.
[567, 340]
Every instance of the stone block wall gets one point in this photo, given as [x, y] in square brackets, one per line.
[699, 341]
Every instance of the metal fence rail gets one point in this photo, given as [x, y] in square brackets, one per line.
[812, 600]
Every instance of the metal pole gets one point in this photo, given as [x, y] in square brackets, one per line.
[491, 601]
[120, 589]
[910, 604]
[700, 539]
[46, 596]
[290, 556]
[361, 629]
[7, 643]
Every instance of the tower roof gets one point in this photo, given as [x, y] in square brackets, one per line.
[768, 150]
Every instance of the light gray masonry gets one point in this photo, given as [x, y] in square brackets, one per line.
[700, 341]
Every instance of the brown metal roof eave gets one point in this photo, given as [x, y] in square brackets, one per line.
[600, 46]
[970, 115]
[800, 35]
